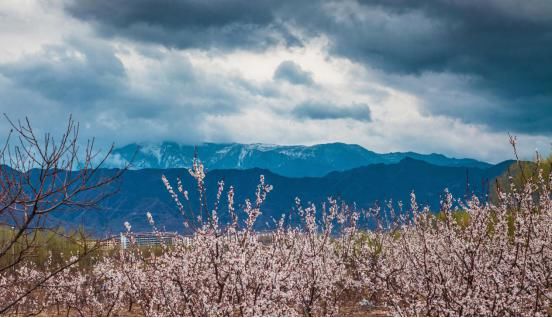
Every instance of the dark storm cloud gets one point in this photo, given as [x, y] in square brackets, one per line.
[492, 39]
[500, 51]
[322, 111]
[67, 75]
[188, 23]
[293, 73]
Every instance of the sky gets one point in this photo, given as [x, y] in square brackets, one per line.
[446, 76]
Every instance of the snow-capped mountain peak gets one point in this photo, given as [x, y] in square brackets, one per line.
[294, 161]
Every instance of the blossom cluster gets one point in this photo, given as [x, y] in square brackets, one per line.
[470, 258]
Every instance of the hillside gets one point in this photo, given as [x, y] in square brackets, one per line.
[140, 191]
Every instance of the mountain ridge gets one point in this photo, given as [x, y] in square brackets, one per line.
[292, 161]
[142, 190]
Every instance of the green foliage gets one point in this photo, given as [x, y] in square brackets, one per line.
[515, 179]
[45, 245]
[510, 221]
[363, 239]
[461, 217]
[521, 173]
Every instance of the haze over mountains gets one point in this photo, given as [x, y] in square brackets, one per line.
[291, 161]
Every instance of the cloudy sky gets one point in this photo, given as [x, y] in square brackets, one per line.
[444, 76]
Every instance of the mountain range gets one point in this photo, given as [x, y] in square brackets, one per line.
[140, 191]
[290, 161]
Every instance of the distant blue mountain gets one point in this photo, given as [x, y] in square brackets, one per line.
[291, 161]
[140, 191]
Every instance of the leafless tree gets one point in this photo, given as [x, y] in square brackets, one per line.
[40, 174]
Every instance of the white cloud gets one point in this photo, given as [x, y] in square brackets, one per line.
[208, 95]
